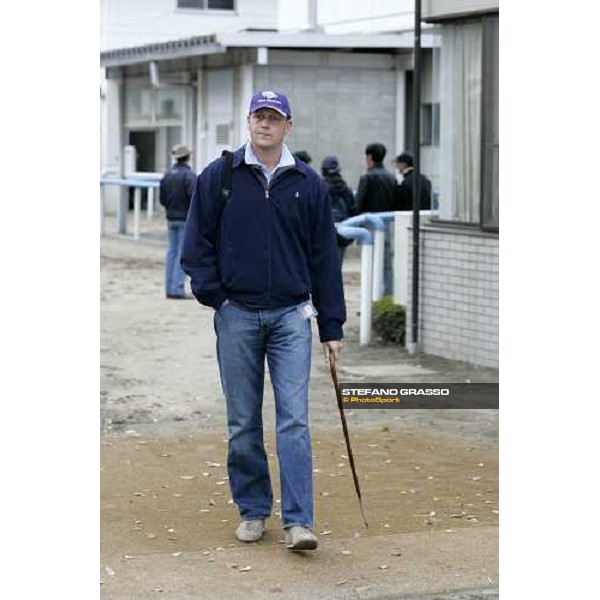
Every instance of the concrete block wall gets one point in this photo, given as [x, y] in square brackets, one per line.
[458, 294]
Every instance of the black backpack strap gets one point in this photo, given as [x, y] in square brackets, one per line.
[226, 180]
[226, 188]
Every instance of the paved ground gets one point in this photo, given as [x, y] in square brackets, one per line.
[429, 478]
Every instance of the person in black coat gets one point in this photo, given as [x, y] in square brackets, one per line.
[377, 187]
[342, 198]
[176, 190]
[377, 192]
[405, 166]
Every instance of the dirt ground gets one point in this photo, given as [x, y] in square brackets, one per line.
[159, 373]
[429, 477]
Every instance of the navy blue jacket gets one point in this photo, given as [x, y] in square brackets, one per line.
[275, 244]
[176, 189]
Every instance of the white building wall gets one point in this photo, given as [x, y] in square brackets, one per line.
[458, 316]
[351, 16]
[127, 23]
[338, 116]
[111, 140]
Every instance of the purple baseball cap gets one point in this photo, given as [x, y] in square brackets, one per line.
[271, 99]
[330, 165]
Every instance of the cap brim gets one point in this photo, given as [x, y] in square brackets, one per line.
[273, 108]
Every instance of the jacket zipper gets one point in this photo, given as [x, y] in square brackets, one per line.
[267, 187]
[270, 278]
[267, 196]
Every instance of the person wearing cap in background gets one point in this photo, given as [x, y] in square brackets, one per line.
[377, 193]
[261, 255]
[342, 198]
[176, 189]
[405, 166]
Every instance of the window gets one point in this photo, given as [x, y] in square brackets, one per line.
[222, 134]
[139, 105]
[490, 137]
[430, 124]
[145, 106]
[207, 4]
[469, 145]
[169, 104]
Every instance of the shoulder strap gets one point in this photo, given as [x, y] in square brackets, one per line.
[226, 188]
[227, 178]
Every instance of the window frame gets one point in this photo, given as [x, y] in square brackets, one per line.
[431, 137]
[206, 8]
[154, 119]
[486, 100]
[487, 126]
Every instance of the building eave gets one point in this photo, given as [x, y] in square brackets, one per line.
[309, 39]
[184, 48]
[219, 43]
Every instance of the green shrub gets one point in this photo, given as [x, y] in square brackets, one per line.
[389, 320]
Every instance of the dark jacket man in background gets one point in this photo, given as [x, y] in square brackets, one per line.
[176, 189]
[377, 187]
[405, 166]
[377, 193]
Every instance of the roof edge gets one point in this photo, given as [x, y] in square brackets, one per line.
[193, 46]
[219, 43]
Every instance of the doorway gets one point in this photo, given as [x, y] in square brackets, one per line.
[144, 143]
[145, 150]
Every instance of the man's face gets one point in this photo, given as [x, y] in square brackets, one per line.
[268, 128]
[401, 166]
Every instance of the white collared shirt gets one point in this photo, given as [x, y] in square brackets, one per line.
[286, 160]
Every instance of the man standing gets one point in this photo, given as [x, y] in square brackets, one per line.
[176, 189]
[405, 166]
[342, 198]
[377, 193]
[257, 255]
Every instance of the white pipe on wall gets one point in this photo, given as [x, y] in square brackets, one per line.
[137, 209]
[150, 203]
[378, 253]
[366, 278]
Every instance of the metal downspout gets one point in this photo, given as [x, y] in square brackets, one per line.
[413, 347]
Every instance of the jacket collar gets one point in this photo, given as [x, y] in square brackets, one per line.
[240, 153]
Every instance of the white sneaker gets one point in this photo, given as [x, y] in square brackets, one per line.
[300, 538]
[250, 530]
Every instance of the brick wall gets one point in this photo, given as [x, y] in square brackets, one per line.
[458, 294]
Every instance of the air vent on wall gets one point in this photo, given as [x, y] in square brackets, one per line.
[223, 134]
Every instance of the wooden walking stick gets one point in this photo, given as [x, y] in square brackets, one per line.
[346, 436]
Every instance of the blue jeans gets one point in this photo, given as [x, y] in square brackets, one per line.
[174, 275]
[244, 339]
